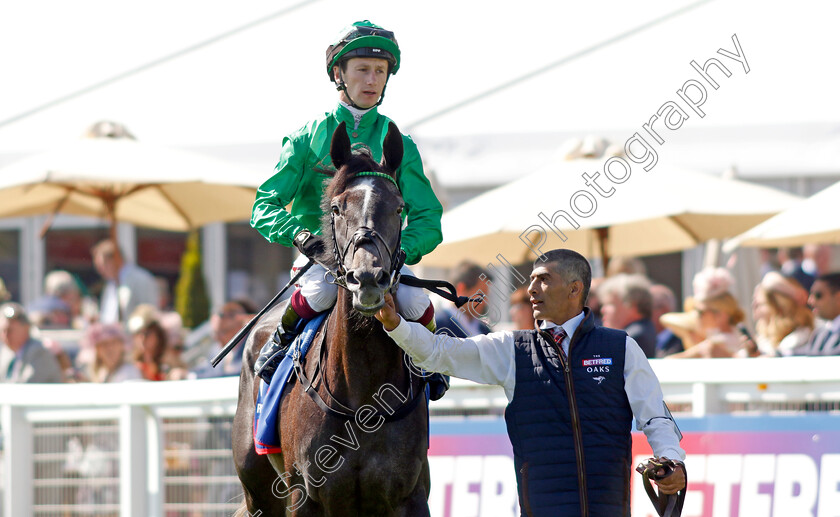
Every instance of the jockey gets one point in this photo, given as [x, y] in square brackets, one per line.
[359, 64]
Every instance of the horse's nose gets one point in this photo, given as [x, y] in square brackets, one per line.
[376, 278]
[382, 279]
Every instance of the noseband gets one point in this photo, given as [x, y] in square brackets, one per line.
[361, 235]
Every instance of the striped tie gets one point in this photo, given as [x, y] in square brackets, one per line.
[828, 335]
[559, 334]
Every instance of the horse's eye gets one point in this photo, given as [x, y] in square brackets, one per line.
[335, 210]
[399, 210]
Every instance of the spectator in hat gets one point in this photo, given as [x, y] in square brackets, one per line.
[719, 313]
[110, 363]
[22, 358]
[685, 325]
[49, 312]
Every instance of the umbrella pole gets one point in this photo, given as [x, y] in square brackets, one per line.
[603, 238]
[56, 210]
[110, 207]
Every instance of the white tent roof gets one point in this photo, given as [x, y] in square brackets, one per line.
[259, 83]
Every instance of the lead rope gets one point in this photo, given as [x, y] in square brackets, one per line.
[666, 505]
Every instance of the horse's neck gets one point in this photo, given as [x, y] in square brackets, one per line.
[365, 360]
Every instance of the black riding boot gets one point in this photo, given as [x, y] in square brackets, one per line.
[438, 384]
[278, 344]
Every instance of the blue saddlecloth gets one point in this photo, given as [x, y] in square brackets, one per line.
[267, 414]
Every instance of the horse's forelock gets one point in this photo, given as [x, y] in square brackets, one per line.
[361, 161]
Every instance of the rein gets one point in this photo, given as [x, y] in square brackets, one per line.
[362, 234]
[343, 411]
[339, 278]
[339, 275]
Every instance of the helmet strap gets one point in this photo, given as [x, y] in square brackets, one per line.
[342, 87]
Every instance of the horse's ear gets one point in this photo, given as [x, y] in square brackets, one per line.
[392, 148]
[340, 150]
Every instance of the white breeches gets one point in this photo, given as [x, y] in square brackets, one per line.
[321, 295]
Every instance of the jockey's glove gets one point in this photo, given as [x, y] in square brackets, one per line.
[315, 248]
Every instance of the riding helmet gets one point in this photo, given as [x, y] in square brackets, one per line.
[364, 39]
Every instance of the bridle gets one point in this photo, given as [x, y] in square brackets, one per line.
[339, 274]
[364, 234]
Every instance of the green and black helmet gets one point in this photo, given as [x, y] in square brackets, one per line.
[364, 39]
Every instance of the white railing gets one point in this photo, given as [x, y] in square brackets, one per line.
[143, 415]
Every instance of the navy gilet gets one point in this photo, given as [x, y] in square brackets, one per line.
[570, 431]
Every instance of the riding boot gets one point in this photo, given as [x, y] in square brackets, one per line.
[278, 344]
[438, 384]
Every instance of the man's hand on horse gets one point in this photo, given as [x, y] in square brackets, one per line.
[673, 483]
[388, 313]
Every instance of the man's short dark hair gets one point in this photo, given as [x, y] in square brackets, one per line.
[107, 248]
[832, 279]
[469, 273]
[571, 264]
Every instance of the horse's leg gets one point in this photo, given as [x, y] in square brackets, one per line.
[256, 474]
[417, 504]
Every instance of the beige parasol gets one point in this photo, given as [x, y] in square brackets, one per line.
[810, 221]
[647, 212]
[121, 179]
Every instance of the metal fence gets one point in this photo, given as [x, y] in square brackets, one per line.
[76, 468]
[163, 449]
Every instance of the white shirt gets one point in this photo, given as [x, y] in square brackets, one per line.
[136, 286]
[835, 325]
[109, 307]
[489, 359]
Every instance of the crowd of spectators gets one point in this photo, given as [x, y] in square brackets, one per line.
[128, 334]
[794, 309]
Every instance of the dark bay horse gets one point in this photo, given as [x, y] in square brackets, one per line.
[364, 452]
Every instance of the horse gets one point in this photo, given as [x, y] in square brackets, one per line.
[354, 438]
